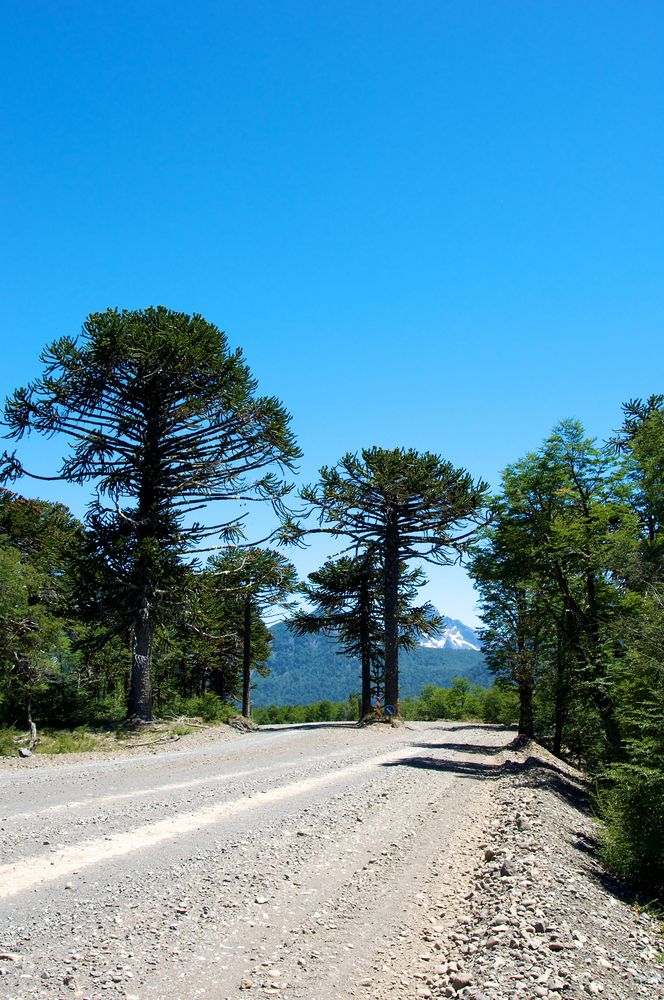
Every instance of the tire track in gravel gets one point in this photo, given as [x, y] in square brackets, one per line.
[22, 875]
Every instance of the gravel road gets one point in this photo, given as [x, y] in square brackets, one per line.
[310, 862]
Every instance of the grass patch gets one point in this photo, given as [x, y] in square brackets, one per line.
[79, 740]
[180, 730]
[9, 736]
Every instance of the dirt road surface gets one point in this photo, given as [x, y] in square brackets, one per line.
[309, 862]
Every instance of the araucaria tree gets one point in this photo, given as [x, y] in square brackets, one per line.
[347, 598]
[163, 418]
[407, 505]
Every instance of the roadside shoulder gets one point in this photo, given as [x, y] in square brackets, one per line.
[533, 913]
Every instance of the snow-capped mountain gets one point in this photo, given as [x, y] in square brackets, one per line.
[455, 636]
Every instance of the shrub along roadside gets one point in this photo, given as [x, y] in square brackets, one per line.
[632, 808]
[462, 700]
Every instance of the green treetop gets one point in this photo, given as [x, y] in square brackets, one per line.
[164, 419]
[406, 505]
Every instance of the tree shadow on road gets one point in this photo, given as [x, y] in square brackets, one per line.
[533, 772]
[470, 769]
[477, 748]
[487, 727]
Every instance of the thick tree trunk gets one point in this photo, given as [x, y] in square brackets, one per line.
[609, 724]
[391, 611]
[526, 721]
[140, 689]
[150, 471]
[246, 659]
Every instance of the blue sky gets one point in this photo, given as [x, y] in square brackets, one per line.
[429, 224]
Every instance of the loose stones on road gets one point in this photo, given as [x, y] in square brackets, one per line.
[537, 919]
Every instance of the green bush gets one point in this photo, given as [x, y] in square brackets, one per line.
[209, 707]
[501, 706]
[411, 709]
[633, 836]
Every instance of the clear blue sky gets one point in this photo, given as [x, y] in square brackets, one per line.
[429, 224]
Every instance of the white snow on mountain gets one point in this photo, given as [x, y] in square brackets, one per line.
[456, 636]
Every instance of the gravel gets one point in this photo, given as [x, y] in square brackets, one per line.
[526, 909]
[313, 862]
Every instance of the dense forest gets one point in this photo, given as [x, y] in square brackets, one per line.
[157, 602]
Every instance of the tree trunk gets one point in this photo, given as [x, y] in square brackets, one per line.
[560, 702]
[140, 690]
[603, 700]
[558, 724]
[525, 676]
[33, 741]
[246, 659]
[365, 645]
[365, 702]
[609, 724]
[391, 610]
[526, 722]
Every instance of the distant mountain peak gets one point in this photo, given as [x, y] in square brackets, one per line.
[456, 635]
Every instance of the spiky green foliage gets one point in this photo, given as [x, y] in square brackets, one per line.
[347, 597]
[164, 420]
[405, 505]
[261, 582]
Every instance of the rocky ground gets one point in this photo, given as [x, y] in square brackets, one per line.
[535, 915]
[436, 860]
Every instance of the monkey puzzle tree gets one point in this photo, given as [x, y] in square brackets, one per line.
[163, 418]
[347, 596]
[216, 637]
[407, 505]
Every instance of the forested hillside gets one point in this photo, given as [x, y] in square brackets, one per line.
[309, 668]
